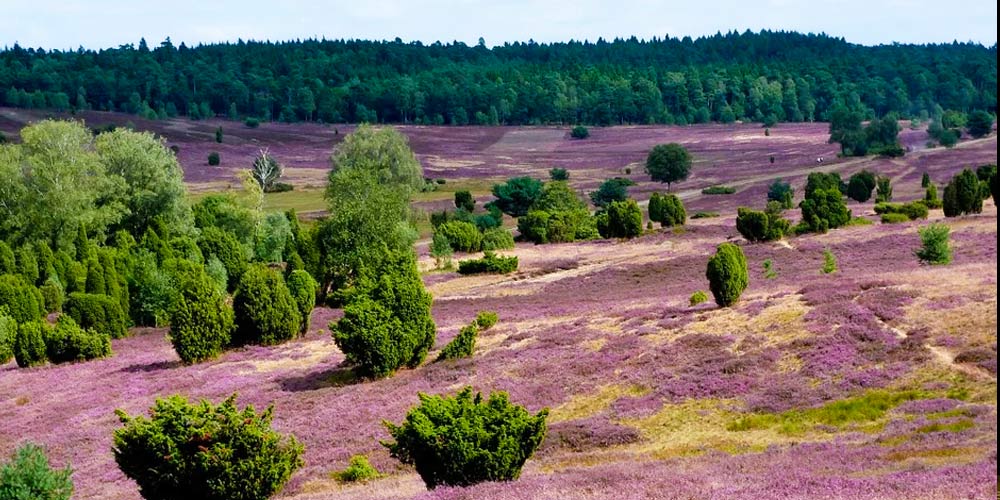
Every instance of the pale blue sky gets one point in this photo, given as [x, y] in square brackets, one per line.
[108, 23]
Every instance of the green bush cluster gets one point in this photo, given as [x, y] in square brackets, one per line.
[28, 476]
[29, 345]
[303, 288]
[910, 211]
[667, 209]
[860, 186]
[727, 274]
[22, 300]
[782, 193]
[620, 219]
[387, 324]
[697, 297]
[497, 238]
[756, 225]
[266, 313]
[206, 451]
[894, 218]
[462, 345]
[610, 191]
[579, 132]
[463, 439]
[67, 342]
[963, 195]
[718, 190]
[462, 236]
[490, 263]
[8, 335]
[823, 207]
[99, 313]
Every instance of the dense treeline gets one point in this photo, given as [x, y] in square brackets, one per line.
[766, 76]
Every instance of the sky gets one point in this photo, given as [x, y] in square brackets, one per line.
[94, 24]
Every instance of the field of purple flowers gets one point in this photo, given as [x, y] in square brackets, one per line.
[876, 381]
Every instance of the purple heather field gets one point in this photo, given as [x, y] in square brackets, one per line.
[650, 397]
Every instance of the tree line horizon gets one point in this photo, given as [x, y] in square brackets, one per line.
[767, 77]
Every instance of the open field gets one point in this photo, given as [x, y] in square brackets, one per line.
[877, 381]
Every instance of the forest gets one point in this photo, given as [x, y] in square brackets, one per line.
[769, 76]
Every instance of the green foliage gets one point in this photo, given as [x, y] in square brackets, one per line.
[486, 319]
[497, 238]
[668, 163]
[925, 180]
[463, 440]
[441, 250]
[824, 209]
[980, 123]
[227, 213]
[29, 345]
[387, 324]
[272, 238]
[463, 345]
[67, 342]
[931, 199]
[27, 264]
[756, 226]
[894, 218]
[963, 195]
[464, 200]
[935, 248]
[8, 264]
[8, 335]
[828, 181]
[769, 272]
[218, 135]
[611, 190]
[860, 186]
[201, 322]
[200, 450]
[358, 471]
[727, 274]
[867, 407]
[697, 297]
[704, 215]
[223, 245]
[382, 152]
[621, 219]
[781, 192]
[462, 236]
[28, 476]
[214, 159]
[303, 288]
[558, 174]
[97, 313]
[829, 262]
[266, 313]
[517, 195]
[151, 288]
[22, 301]
[579, 132]
[217, 271]
[95, 278]
[667, 209]
[718, 190]
[251, 122]
[883, 189]
[489, 264]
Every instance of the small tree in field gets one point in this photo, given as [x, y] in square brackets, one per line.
[28, 476]
[925, 180]
[463, 439]
[963, 195]
[668, 163]
[266, 170]
[558, 174]
[781, 192]
[464, 200]
[214, 159]
[727, 274]
[265, 312]
[667, 209]
[935, 248]
[200, 450]
[883, 189]
[622, 219]
[201, 323]
[829, 262]
[579, 132]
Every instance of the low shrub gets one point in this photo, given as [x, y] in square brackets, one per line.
[911, 211]
[894, 218]
[497, 238]
[489, 264]
[463, 439]
[718, 190]
[200, 450]
[358, 471]
[727, 274]
[251, 122]
[579, 132]
[705, 215]
[934, 240]
[265, 312]
[462, 236]
[667, 209]
[698, 298]
[462, 345]
[279, 187]
[464, 200]
[441, 251]
[28, 476]
[558, 174]
[214, 159]
[486, 319]
[621, 219]
[769, 272]
[23, 301]
[755, 225]
[98, 313]
[29, 345]
[67, 342]
[829, 262]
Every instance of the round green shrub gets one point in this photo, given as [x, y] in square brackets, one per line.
[463, 440]
[99, 313]
[667, 209]
[28, 476]
[824, 209]
[579, 132]
[463, 236]
[67, 342]
[860, 186]
[199, 450]
[622, 219]
[27, 264]
[201, 323]
[752, 224]
[214, 159]
[464, 200]
[497, 238]
[23, 302]
[388, 324]
[8, 335]
[489, 264]
[486, 319]
[29, 345]
[358, 471]
[8, 264]
[697, 298]
[727, 274]
[963, 195]
[265, 312]
[303, 288]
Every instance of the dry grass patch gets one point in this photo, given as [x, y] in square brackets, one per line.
[586, 405]
[305, 355]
